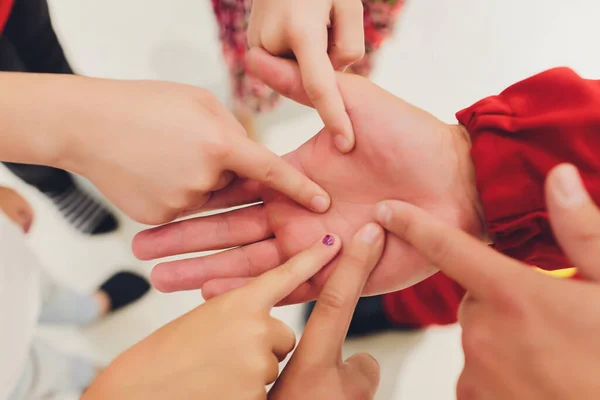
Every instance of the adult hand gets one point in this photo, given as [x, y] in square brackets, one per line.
[228, 348]
[159, 150]
[402, 153]
[16, 208]
[323, 35]
[316, 370]
[526, 335]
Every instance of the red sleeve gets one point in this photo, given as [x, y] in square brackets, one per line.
[518, 137]
[434, 301]
[5, 9]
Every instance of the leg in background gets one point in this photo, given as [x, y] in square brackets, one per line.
[61, 305]
[80, 209]
[250, 95]
[50, 372]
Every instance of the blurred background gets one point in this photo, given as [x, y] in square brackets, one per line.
[443, 56]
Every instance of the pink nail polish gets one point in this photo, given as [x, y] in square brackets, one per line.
[328, 240]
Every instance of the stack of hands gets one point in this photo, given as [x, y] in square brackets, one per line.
[524, 334]
[379, 162]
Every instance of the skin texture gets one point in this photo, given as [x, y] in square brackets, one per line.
[227, 348]
[323, 36]
[157, 150]
[526, 335]
[402, 153]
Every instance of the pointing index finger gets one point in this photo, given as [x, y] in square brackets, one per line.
[320, 83]
[275, 285]
[251, 160]
[327, 327]
[471, 263]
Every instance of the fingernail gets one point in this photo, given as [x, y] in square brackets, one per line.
[342, 143]
[568, 187]
[370, 233]
[319, 204]
[328, 240]
[384, 214]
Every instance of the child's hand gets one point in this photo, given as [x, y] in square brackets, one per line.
[228, 348]
[316, 370]
[16, 208]
[323, 35]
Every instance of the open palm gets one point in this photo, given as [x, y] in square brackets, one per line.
[401, 153]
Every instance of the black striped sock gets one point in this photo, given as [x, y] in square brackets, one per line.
[83, 212]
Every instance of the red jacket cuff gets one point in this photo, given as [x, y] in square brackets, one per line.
[517, 138]
[434, 301]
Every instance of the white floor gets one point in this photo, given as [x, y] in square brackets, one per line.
[446, 55]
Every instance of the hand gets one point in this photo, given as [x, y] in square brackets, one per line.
[316, 370]
[525, 335]
[16, 208]
[228, 348]
[402, 153]
[323, 35]
[160, 150]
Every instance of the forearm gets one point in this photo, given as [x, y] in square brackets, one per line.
[39, 115]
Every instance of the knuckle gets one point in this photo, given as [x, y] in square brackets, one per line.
[439, 249]
[315, 92]
[259, 331]
[476, 340]
[271, 173]
[291, 341]
[177, 202]
[355, 260]
[217, 147]
[208, 97]
[268, 368]
[208, 102]
[350, 53]
[222, 228]
[288, 335]
[465, 390]
[508, 301]
[464, 309]
[167, 214]
[361, 393]
[288, 273]
[331, 300]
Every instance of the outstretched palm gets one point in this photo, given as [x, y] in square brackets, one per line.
[401, 153]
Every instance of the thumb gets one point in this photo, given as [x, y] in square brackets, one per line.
[363, 372]
[575, 219]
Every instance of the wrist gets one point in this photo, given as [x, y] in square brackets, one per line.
[475, 218]
[75, 124]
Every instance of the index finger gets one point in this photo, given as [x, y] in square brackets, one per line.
[320, 83]
[328, 325]
[251, 160]
[471, 263]
[275, 285]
